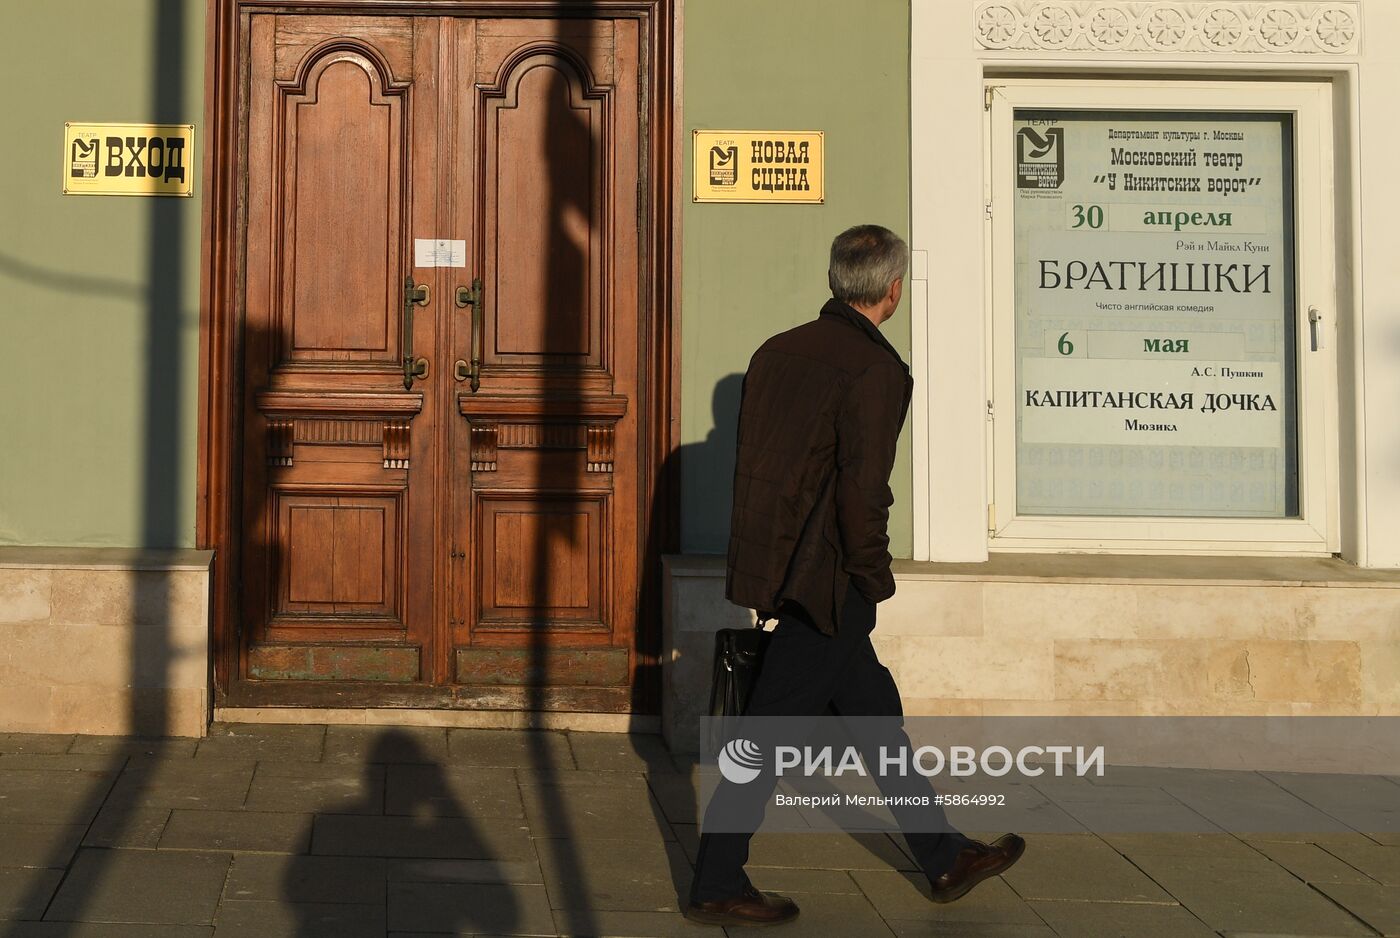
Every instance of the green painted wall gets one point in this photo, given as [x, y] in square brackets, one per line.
[98, 294]
[99, 356]
[753, 270]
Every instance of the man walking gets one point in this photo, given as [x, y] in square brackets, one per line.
[821, 409]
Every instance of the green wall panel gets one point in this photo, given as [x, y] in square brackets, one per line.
[99, 366]
[98, 294]
[752, 270]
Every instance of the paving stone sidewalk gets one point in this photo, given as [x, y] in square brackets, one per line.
[370, 831]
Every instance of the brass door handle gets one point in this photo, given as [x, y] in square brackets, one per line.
[472, 296]
[413, 295]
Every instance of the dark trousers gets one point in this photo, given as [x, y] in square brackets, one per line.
[806, 673]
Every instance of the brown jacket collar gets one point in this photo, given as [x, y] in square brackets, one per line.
[855, 317]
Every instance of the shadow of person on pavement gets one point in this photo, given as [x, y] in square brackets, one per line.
[433, 835]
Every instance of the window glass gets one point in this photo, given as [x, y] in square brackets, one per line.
[1155, 325]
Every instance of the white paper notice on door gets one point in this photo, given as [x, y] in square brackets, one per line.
[439, 252]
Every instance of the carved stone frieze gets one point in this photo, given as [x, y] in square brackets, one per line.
[1148, 26]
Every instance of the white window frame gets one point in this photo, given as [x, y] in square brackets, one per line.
[1315, 532]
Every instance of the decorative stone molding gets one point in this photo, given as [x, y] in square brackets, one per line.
[1143, 26]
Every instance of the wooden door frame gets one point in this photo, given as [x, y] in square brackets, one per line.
[217, 525]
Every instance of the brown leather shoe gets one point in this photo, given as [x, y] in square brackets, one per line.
[749, 908]
[975, 863]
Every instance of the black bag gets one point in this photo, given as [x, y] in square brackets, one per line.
[738, 657]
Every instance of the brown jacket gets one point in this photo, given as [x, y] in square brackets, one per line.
[821, 408]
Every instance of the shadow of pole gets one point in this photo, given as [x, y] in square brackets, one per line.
[162, 471]
[565, 302]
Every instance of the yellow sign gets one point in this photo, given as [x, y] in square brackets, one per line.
[128, 159]
[758, 166]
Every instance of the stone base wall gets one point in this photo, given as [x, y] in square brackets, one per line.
[1082, 635]
[104, 641]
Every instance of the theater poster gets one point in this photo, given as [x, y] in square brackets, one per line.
[1155, 324]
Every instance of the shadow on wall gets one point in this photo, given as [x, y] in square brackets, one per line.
[68, 282]
[160, 372]
[708, 468]
[678, 789]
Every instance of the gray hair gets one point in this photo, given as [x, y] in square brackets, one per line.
[865, 260]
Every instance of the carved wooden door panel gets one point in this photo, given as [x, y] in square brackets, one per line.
[339, 475]
[463, 531]
[545, 488]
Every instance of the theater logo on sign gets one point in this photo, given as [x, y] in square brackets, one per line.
[757, 166]
[724, 166]
[128, 159]
[83, 158]
[1040, 159]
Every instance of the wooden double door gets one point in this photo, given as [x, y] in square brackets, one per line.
[442, 368]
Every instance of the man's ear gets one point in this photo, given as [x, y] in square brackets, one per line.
[896, 291]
